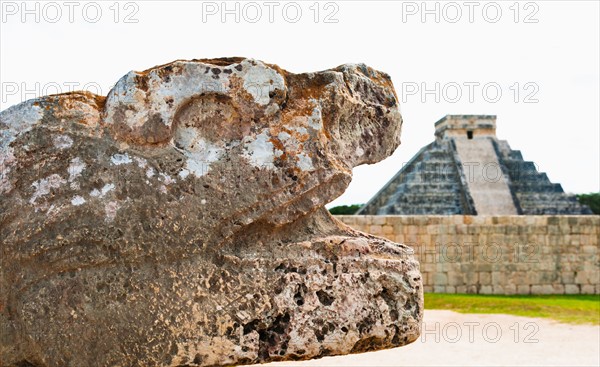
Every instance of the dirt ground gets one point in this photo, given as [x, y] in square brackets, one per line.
[454, 339]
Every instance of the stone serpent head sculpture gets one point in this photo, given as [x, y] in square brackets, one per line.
[181, 221]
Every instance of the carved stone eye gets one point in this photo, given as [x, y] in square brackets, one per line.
[211, 117]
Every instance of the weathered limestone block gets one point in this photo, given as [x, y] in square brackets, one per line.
[180, 221]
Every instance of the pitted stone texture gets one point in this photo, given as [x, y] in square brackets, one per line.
[180, 220]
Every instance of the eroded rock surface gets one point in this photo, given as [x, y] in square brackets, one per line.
[180, 221]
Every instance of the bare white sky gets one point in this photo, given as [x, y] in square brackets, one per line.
[541, 56]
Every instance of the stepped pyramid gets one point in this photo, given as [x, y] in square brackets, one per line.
[468, 170]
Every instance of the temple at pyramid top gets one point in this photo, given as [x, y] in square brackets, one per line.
[468, 170]
[468, 126]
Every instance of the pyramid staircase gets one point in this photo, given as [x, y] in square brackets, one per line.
[435, 181]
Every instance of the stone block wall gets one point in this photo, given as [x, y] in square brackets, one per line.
[497, 254]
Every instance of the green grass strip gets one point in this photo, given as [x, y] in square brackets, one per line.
[573, 309]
